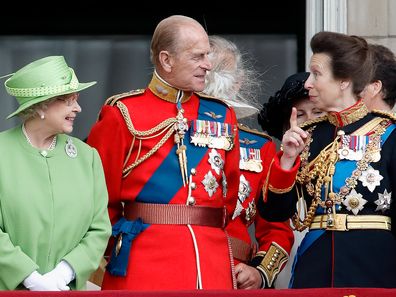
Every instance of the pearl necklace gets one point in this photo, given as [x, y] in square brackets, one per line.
[51, 146]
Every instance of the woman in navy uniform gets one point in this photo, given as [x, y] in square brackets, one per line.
[346, 174]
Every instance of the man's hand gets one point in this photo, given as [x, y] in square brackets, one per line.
[248, 277]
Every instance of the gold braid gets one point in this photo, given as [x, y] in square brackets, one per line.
[147, 134]
[321, 167]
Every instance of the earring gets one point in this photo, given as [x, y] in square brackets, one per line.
[42, 116]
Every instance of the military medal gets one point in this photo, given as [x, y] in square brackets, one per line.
[210, 183]
[250, 159]
[244, 191]
[212, 134]
[384, 201]
[180, 128]
[354, 202]
[353, 147]
[238, 210]
[224, 184]
[250, 212]
[70, 148]
[370, 178]
[215, 161]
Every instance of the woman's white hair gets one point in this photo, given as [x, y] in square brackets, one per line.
[231, 78]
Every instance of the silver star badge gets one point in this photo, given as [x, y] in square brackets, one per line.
[371, 178]
[354, 202]
[210, 183]
[244, 189]
[215, 161]
[383, 202]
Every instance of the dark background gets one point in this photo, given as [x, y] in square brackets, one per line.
[125, 18]
[110, 43]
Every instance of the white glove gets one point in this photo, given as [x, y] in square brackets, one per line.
[62, 275]
[36, 282]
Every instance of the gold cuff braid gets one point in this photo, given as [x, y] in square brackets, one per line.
[272, 262]
[280, 191]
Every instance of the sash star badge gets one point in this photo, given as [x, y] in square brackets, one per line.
[371, 178]
[383, 202]
[354, 202]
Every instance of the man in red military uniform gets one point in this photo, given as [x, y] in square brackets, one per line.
[274, 239]
[171, 161]
[231, 79]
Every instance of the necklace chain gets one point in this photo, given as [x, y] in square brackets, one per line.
[50, 147]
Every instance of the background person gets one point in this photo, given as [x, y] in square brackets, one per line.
[380, 93]
[171, 161]
[274, 118]
[232, 79]
[275, 113]
[54, 224]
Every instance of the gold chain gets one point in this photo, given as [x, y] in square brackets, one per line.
[323, 168]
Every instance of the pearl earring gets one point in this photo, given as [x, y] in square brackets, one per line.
[42, 116]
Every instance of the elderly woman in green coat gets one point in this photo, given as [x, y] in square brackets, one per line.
[54, 224]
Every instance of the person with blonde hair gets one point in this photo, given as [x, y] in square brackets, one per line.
[54, 224]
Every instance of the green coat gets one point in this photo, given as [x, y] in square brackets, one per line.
[51, 208]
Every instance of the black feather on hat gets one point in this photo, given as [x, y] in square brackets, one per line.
[275, 114]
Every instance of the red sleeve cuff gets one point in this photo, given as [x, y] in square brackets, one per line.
[281, 180]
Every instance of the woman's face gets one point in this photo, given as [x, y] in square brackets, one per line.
[307, 110]
[324, 90]
[61, 113]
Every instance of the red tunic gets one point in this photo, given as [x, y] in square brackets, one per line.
[257, 152]
[167, 257]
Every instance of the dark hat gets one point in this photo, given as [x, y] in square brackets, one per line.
[275, 114]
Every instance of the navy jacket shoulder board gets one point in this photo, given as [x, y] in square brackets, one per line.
[203, 95]
[253, 131]
[385, 114]
[313, 122]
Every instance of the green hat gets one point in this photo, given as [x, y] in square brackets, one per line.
[41, 80]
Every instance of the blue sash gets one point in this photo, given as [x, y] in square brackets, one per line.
[343, 169]
[128, 230]
[170, 164]
[163, 175]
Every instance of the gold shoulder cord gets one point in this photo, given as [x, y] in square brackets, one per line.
[161, 128]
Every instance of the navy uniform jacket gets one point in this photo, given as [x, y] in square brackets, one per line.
[356, 257]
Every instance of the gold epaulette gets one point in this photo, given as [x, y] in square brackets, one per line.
[113, 99]
[312, 122]
[213, 98]
[253, 131]
[385, 114]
